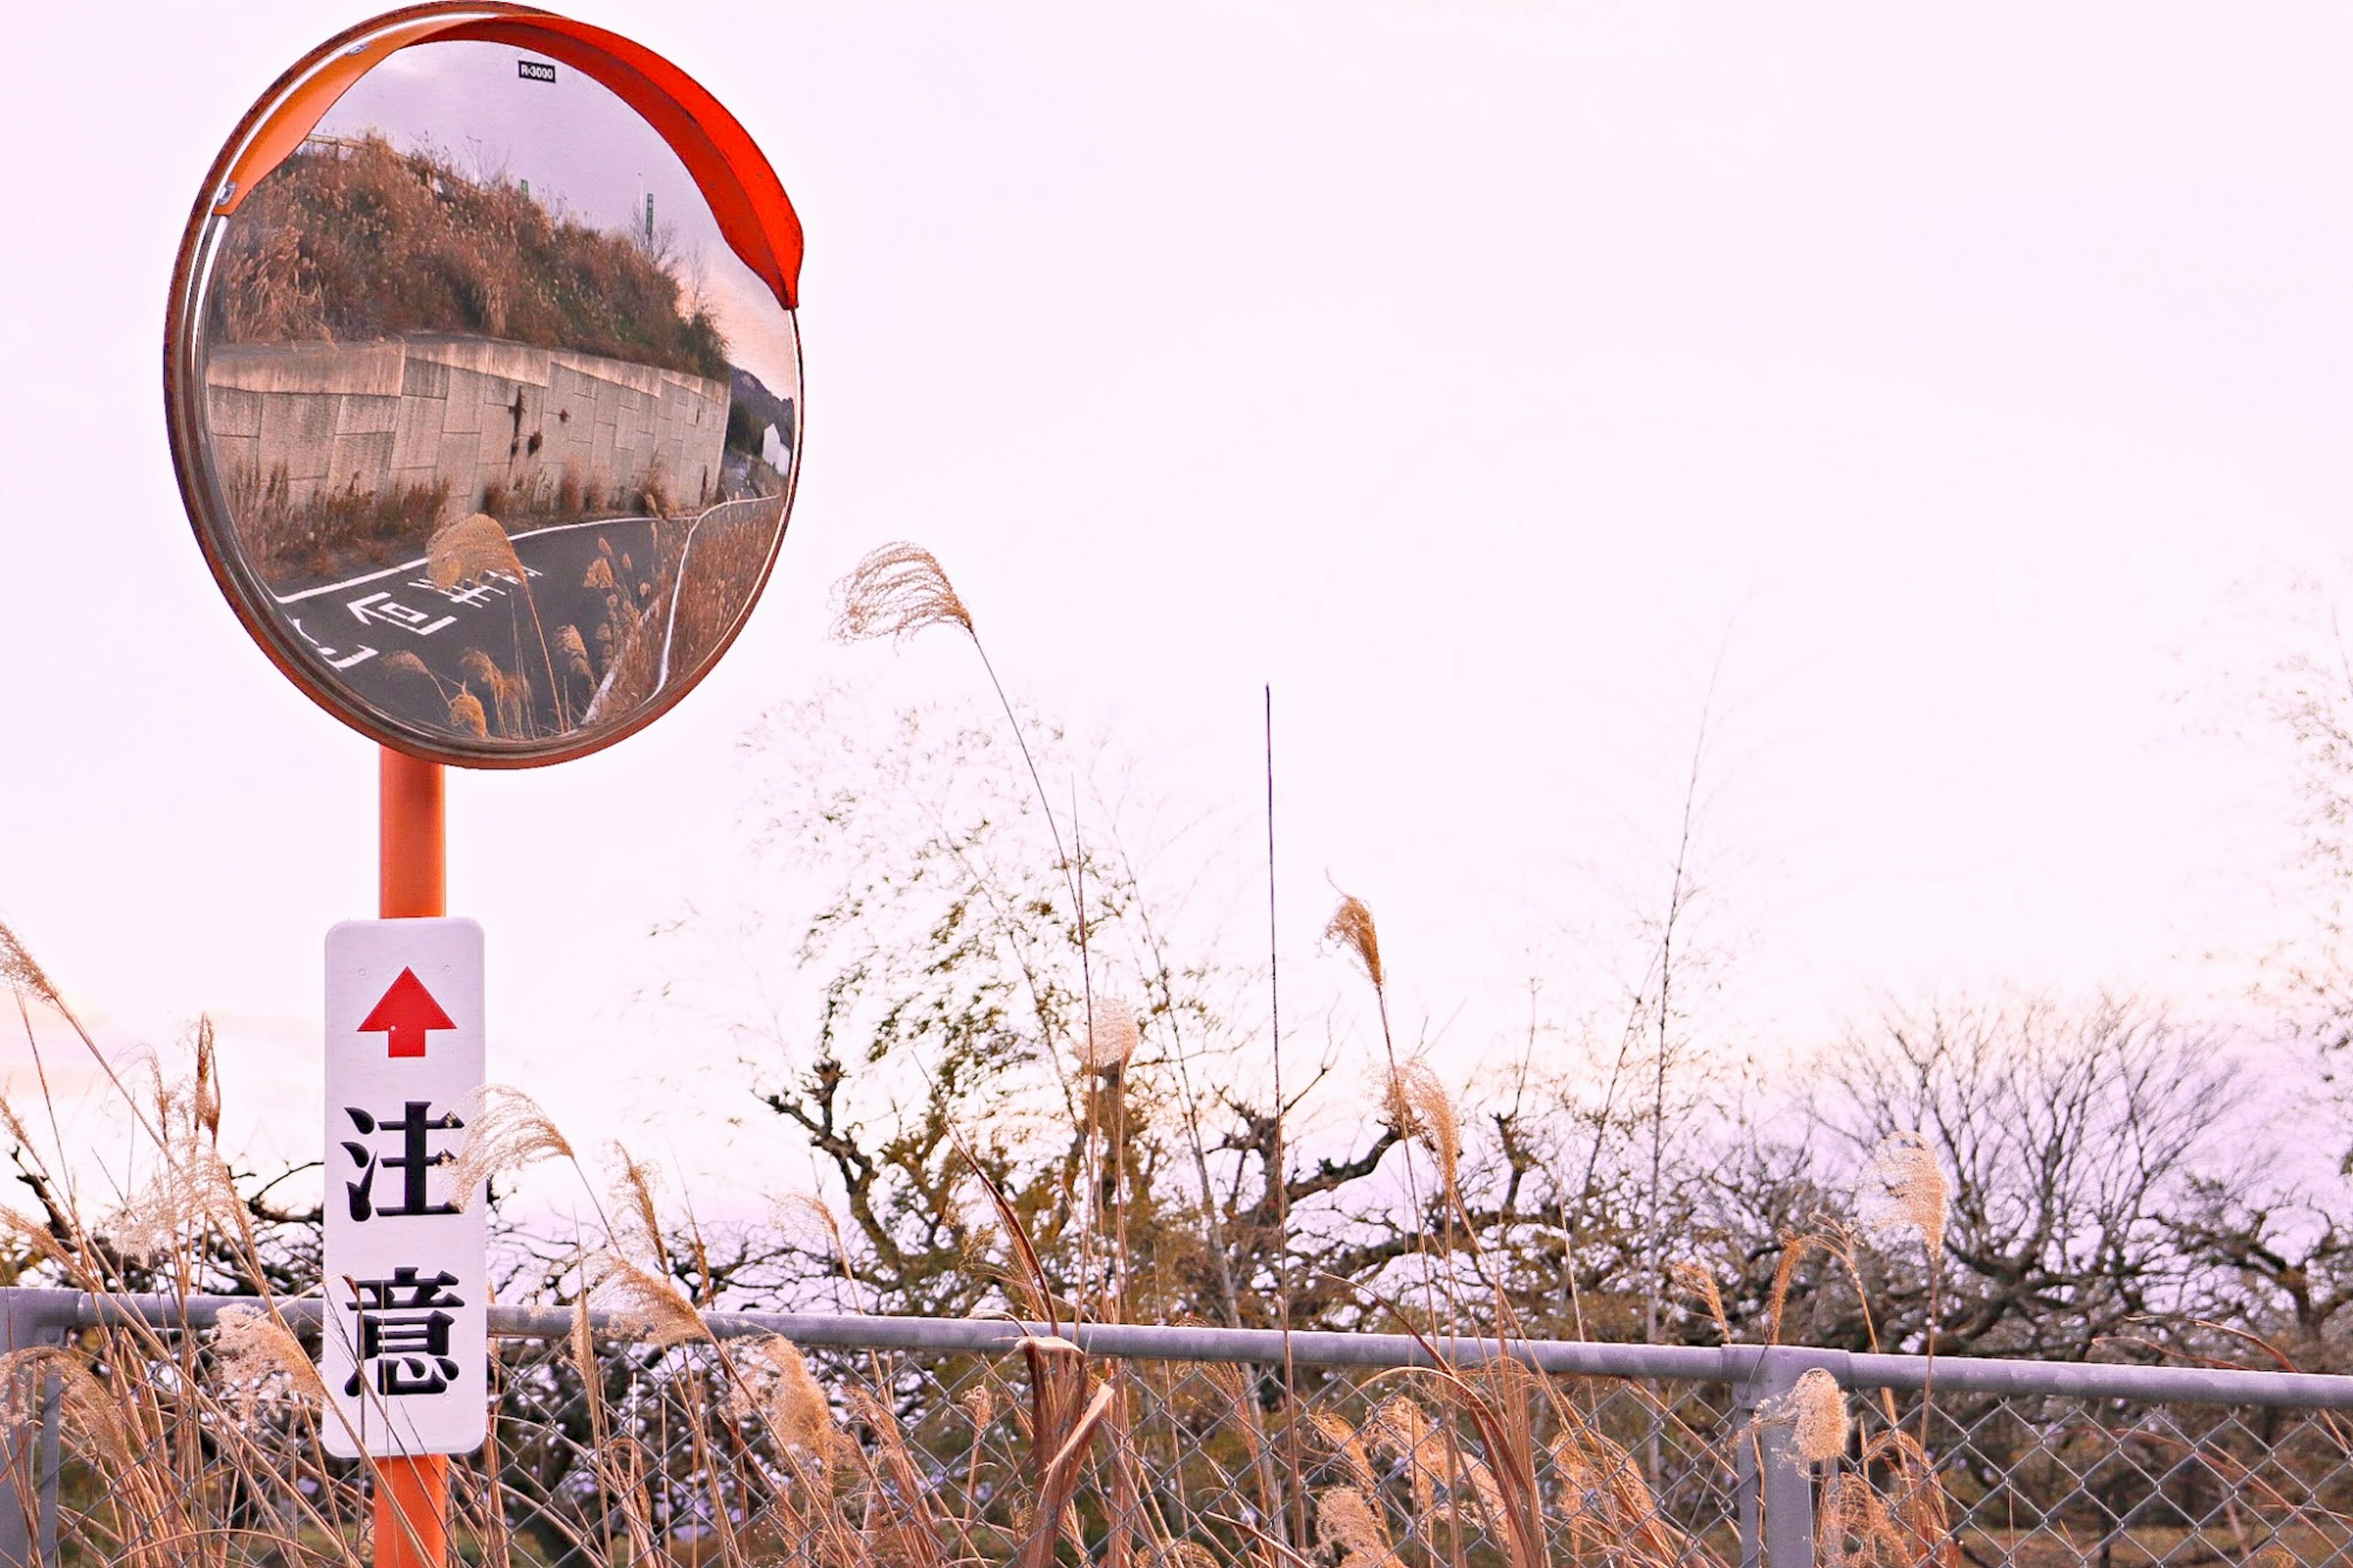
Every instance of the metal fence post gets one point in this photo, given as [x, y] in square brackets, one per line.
[30, 1318]
[1784, 1490]
[1747, 1396]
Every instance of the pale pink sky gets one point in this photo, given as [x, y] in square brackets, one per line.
[1473, 371]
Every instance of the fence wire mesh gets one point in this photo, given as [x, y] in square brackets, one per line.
[743, 1451]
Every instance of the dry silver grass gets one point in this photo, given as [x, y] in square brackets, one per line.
[574, 653]
[33, 1234]
[1111, 1038]
[1352, 928]
[1349, 1446]
[895, 592]
[1815, 1410]
[583, 1340]
[255, 1356]
[1404, 1431]
[638, 1225]
[599, 575]
[465, 716]
[190, 1194]
[1903, 1189]
[773, 1383]
[22, 975]
[206, 1101]
[467, 549]
[1347, 1523]
[1855, 1530]
[1488, 1496]
[651, 1308]
[1420, 1108]
[1695, 1280]
[505, 1131]
[85, 1402]
[510, 691]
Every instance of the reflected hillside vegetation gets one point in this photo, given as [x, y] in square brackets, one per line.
[354, 239]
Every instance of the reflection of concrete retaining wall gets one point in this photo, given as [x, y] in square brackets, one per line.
[472, 411]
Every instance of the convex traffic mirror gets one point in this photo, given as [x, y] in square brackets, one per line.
[484, 381]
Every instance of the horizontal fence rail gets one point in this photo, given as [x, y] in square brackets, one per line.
[1141, 1341]
[1228, 1446]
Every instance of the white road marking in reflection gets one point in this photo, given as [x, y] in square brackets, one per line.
[367, 577]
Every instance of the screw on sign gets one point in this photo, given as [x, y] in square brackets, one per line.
[493, 467]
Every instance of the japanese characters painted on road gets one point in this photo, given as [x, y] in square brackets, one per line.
[406, 1349]
[484, 381]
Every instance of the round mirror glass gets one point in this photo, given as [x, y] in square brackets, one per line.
[488, 426]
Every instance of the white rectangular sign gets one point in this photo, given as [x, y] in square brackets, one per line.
[406, 1358]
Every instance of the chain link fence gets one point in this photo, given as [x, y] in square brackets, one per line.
[932, 1442]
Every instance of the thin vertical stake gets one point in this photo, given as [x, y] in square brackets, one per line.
[1281, 1194]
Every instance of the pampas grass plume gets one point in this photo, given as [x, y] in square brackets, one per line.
[467, 550]
[1698, 1281]
[250, 1347]
[779, 1388]
[650, 1305]
[1111, 1038]
[19, 972]
[1352, 927]
[1420, 1106]
[895, 592]
[505, 1131]
[465, 716]
[1345, 1519]
[1815, 1410]
[1903, 1188]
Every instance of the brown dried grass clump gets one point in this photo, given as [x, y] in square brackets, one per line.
[895, 592]
[465, 716]
[1348, 1523]
[470, 550]
[328, 532]
[394, 241]
[190, 1196]
[1854, 1528]
[729, 559]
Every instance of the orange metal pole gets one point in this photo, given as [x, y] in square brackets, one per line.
[411, 859]
[412, 1495]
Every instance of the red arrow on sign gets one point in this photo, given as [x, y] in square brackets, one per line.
[404, 1014]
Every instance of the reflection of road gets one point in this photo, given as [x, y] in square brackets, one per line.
[412, 650]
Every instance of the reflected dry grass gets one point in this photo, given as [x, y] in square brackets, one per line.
[290, 542]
